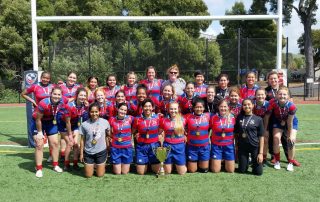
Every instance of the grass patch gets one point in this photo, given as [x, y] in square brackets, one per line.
[18, 181]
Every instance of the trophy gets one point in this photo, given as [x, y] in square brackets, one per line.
[161, 154]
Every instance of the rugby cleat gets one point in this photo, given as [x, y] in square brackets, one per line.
[57, 169]
[39, 173]
[296, 163]
[277, 165]
[290, 167]
[76, 167]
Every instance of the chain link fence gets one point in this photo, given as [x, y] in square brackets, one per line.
[212, 56]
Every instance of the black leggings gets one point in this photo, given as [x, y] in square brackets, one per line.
[243, 159]
[284, 140]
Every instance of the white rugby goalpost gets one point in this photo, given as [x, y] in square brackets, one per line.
[35, 19]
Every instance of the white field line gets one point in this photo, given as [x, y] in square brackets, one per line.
[21, 146]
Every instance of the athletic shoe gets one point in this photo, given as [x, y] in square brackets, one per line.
[67, 168]
[277, 165]
[58, 169]
[39, 173]
[290, 167]
[273, 161]
[296, 163]
[76, 167]
[49, 160]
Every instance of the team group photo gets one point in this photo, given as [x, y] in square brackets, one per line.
[184, 100]
[205, 126]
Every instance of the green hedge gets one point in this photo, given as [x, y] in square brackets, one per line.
[10, 96]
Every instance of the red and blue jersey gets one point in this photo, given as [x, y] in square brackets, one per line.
[130, 92]
[49, 110]
[281, 113]
[121, 131]
[69, 91]
[261, 110]
[76, 113]
[198, 129]
[135, 108]
[112, 108]
[147, 128]
[163, 106]
[186, 104]
[103, 112]
[111, 93]
[154, 87]
[246, 92]
[40, 92]
[222, 130]
[167, 125]
[91, 97]
[235, 109]
[201, 90]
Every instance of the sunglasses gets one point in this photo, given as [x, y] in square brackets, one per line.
[173, 72]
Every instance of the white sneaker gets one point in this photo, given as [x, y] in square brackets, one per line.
[58, 169]
[290, 167]
[39, 173]
[277, 165]
[49, 160]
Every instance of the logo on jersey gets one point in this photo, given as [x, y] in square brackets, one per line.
[31, 78]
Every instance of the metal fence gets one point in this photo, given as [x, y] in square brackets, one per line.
[100, 58]
[119, 57]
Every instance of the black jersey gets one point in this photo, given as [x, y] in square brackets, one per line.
[272, 92]
[249, 129]
[209, 107]
[224, 93]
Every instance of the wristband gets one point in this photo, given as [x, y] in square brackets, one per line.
[40, 135]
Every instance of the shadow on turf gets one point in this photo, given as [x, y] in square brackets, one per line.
[30, 165]
[19, 140]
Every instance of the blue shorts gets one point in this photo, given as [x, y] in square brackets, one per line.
[48, 128]
[277, 124]
[177, 154]
[98, 158]
[222, 152]
[62, 127]
[145, 154]
[121, 155]
[195, 153]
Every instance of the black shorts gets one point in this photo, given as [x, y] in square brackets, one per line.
[98, 158]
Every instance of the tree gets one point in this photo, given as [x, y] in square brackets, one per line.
[189, 53]
[257, 39]
[15, 41]
[316, 47]
[15, 38]
[228, 40]
[306, 10]
[122, 46]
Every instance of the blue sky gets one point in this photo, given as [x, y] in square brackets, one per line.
[293, 30]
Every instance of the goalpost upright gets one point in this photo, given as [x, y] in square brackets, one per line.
[35, 19]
